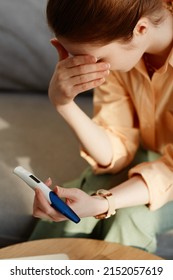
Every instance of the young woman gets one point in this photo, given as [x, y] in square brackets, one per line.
[124, 50]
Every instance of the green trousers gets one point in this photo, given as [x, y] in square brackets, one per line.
[133, 226]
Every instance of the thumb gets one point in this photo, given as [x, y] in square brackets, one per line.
[68, 193]
[63, 54]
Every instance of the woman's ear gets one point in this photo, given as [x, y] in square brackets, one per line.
[141, 27]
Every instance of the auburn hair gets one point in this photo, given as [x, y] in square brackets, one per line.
[99, 21]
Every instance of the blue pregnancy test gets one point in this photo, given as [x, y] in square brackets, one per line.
[57, 203]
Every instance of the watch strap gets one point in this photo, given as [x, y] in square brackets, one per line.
[111, 204]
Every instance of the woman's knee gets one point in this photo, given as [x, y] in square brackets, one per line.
[134, 227]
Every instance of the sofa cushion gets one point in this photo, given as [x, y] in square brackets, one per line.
[27, 59]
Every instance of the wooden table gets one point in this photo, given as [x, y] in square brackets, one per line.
[76, 249]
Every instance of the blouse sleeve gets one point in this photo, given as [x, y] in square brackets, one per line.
[114, 112]
[158, 176]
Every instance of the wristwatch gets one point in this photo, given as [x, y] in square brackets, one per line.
[111, 209]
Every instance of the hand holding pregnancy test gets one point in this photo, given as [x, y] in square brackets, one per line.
[51, 197]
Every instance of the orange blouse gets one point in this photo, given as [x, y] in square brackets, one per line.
[135, 110]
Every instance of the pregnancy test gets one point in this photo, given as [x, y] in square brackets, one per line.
[57, 203]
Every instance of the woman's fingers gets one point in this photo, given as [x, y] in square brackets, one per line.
[82, 79]
[77, 60]
[69, 193]
[43, 209]
[83, 70]
[90, 85]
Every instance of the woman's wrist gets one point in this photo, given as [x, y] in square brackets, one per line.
[107, 195]
[100, 205]
[130, 193]
[63, 108]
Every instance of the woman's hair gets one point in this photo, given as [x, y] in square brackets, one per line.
[99, 21]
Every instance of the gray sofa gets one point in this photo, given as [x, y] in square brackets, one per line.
[32, 134]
